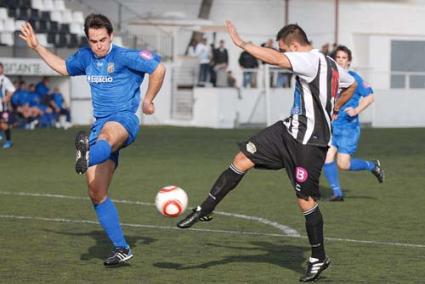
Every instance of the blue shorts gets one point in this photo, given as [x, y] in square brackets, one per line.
[345, 139]
[127, 119]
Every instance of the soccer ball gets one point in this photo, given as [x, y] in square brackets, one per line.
[171, 201]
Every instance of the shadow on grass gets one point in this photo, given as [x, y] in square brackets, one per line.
[283, 255]
[103, 245]
[326, 193]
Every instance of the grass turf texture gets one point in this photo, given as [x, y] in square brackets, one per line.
[44, 251]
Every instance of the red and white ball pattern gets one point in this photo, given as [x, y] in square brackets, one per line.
[171, 201]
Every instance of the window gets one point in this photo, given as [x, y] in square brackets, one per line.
[407, 64]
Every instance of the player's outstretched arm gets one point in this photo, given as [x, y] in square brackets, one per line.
[155, 83]
[265, 54]
[54, 61]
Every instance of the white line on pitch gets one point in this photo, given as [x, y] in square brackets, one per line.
[61, 220]
[283, 228]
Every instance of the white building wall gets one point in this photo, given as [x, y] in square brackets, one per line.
[366, 26]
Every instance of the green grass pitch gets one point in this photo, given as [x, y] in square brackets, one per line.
[48, 232]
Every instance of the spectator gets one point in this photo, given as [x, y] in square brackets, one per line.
[269, 44]
[332, 54]
[247, 61]
[283, 78]
[231, 80]
[213, 74]
[325, 49]
[62, 113]
[42, 89]
[221, 61]
[40, 102]
[202, 52]
[190, 50]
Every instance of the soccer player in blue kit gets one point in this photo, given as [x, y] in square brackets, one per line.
[346, 132]
[115, 75]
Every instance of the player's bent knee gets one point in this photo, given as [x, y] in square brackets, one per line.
[344, 165]
[97, 197]
[242, 162]
[306, 205]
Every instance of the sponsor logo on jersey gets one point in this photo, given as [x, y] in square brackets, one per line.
[301, 174]
[146, 54]
[250, 147]
[99, 79]
[111, 67]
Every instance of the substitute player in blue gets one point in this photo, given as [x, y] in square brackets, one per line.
[346, 132]
[115, 75]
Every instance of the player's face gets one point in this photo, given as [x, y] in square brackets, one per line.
[283, 47]
[99, 41]
[341, 58]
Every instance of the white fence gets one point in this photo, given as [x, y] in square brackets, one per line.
[236, 107]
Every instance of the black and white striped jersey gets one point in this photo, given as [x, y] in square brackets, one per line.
[318, 80]
[5, 85]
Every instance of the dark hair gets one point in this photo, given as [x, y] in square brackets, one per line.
[292, 32]
[1, 64]
[345, 49]
[97, 21]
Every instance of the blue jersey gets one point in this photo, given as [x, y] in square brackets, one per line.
[41, 89]
[114, 79]
[362, 90]
[58, 99]
[20, 97]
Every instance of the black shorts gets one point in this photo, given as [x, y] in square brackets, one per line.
[274, 148]
[4, 116]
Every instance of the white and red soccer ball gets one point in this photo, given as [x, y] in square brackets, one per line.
[171, 201]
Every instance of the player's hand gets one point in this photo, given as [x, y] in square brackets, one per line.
[233, 33]
[28, 35]
[351, 111]
[148, 107]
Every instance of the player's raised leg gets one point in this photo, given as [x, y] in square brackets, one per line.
[111, 138]
[227, 181]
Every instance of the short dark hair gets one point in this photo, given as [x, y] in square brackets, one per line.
[97, 21]
[292, 32]
[345, 49]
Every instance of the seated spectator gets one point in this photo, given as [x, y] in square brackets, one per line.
[25, 105]
[231, 80]
[41, 103]
[62, 113]
[43, 90]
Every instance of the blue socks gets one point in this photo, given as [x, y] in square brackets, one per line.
[361, 165]
[99, 152]
[107, 215]
[331, 173]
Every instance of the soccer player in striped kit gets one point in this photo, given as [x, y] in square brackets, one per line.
[299, 143]
[6, 91]
[346, 132]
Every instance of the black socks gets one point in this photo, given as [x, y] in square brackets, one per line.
[227, 181]
[314, 227]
